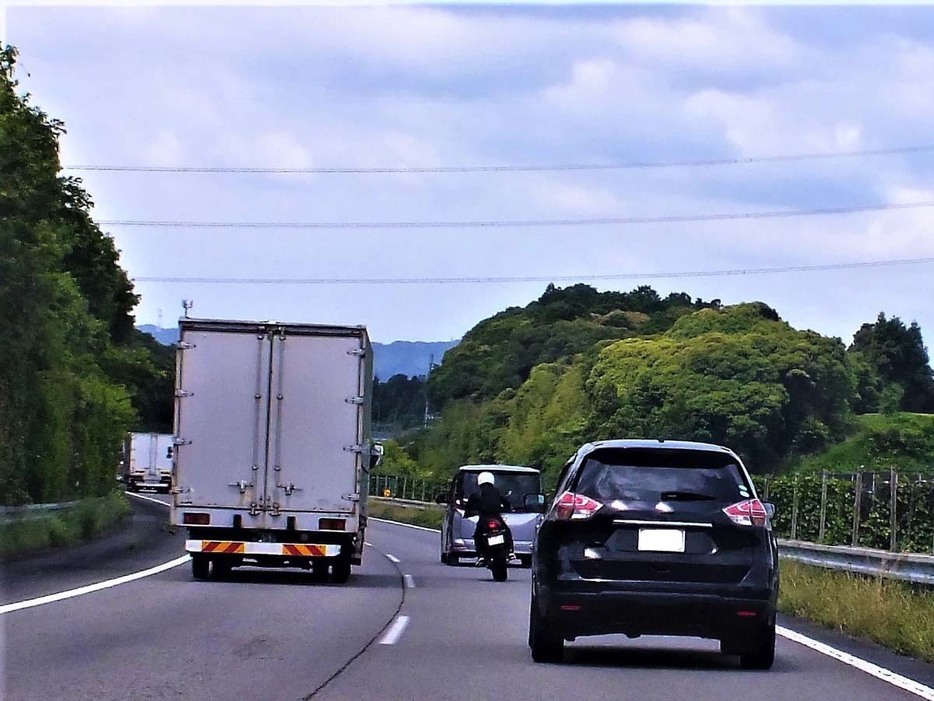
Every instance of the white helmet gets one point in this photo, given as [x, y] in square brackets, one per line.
[485, 478]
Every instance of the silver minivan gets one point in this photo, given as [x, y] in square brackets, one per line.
[521, 486]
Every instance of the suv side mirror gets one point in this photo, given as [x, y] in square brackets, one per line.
[769, 510]
[534, 503]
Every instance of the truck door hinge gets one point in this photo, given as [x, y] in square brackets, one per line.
[355, 448]
[355, 400]
[351, 497]
[241, 485]
[254, 509]
[180, 441]
[358, 352]
[184, 345]
[288, 488]
[182, 393]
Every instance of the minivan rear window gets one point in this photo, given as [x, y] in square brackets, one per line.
[512, 485]
[653, 475]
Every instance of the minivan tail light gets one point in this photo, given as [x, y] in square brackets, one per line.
[575, 507]
[750, 512]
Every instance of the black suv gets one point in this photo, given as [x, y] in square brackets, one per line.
[656, 538]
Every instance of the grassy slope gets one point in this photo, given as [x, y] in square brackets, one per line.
[901, 440]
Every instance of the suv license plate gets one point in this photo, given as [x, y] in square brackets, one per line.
[662, 540]
[499, 540]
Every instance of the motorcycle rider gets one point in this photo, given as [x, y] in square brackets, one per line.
[487, 503]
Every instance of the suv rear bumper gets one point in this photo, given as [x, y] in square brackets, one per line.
[658, 613]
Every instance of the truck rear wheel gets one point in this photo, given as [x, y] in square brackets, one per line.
[200, 566]
[340, 571]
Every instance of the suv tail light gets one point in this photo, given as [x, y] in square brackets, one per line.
[575, 507]
[750, 512]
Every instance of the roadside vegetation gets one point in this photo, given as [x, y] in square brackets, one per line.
[893, 614]
[75, 375]
[429, 517]
[33, 533]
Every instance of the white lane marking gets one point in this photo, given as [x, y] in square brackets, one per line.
[395, 631]
[369, 545]
[393, 558]
[904, 683]
[407, 525]
[409, 581]
[71, 593]
[152, 499]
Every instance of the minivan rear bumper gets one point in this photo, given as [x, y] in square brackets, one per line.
[659, 613]
[465, 547]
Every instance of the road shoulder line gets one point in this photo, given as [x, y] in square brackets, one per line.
[90, 588]
[886, 675]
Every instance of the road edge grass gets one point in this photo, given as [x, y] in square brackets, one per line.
[893, 614]
[90, 518]
[428, 517]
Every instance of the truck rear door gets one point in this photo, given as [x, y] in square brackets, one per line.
[221, 417]
[315, 422]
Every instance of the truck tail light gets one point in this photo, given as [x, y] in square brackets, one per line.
[750, 512]
[575, 507]
[331, 524]
[191, 518]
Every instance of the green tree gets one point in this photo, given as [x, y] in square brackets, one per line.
[897, 355]
[66, 313]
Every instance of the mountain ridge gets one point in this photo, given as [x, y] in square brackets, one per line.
[409, 358]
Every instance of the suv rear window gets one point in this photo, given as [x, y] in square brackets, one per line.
[657, 474]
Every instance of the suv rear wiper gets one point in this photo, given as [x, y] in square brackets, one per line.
[686, 496]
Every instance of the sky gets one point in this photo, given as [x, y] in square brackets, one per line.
[405, 87]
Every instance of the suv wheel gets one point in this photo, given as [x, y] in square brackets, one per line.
[762, 653]
[546, 644]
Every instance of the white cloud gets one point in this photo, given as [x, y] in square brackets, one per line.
[722, 39]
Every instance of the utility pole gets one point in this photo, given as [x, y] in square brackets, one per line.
[431, 366]
[187, 304]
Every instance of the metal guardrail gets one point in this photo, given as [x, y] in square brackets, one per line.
[907, 567]
[407, 503]
[32, 511]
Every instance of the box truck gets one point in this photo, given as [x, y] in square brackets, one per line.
[272, 445]
[147, 461]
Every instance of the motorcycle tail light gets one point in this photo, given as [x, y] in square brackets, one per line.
[492, 524]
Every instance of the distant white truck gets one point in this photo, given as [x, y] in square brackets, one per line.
[147, 461]
[273, 448]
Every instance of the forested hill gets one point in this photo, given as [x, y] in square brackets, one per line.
[531, 384]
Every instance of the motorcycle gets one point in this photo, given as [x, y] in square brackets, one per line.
[495, 550]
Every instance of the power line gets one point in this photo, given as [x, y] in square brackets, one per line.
[533, 278]
[632, 165]
[519, 223]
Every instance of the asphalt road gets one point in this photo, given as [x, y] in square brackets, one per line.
[440, 632]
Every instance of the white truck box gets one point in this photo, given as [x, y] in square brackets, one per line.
[273, 448]
[147, 461]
